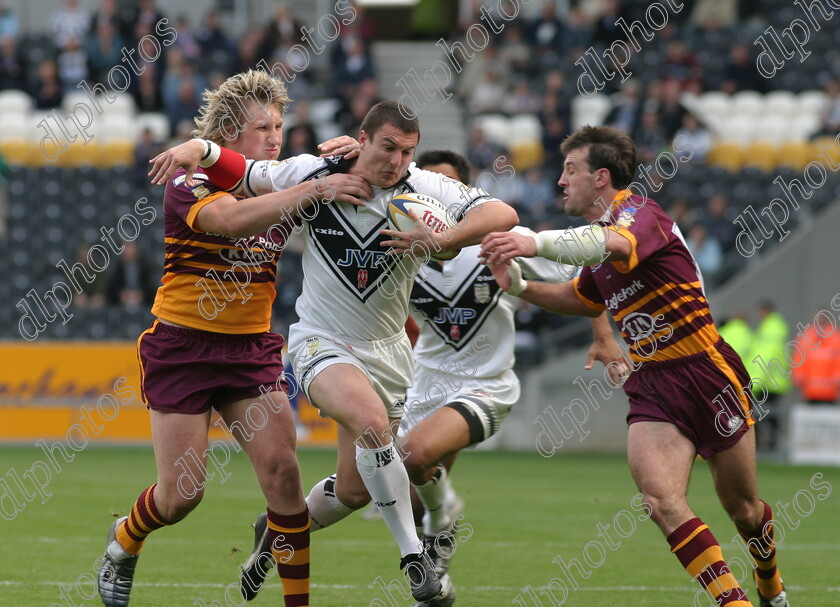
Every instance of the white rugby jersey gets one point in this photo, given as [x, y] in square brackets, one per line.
[465, 319]
[351, 286]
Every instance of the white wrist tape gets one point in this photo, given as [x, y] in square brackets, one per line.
[583, 246]
[517, 283]
[211, 155]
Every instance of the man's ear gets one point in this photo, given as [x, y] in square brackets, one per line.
[602, 178]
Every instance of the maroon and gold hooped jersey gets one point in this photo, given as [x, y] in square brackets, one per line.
[213, 282]
[660, 308]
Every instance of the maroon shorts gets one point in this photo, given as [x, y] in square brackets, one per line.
[700, 394]
[189, 371]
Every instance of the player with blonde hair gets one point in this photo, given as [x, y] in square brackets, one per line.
[210, 346]
[349, 349]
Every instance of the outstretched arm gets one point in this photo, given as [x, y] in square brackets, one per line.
[225, 167]
[583, 246]
[558, 298]
[250, 216]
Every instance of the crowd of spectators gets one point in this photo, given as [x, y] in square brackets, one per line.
[186, 57]
[529, 67]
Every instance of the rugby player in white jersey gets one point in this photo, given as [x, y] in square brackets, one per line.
[349, 349]
[464, 383]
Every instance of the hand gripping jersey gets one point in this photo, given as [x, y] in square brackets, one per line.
[351, 286]
[466, 321]
[656, 297]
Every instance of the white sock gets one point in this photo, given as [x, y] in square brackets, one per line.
[451, 496]
[324, 506]
[433, 496]
[386, 480]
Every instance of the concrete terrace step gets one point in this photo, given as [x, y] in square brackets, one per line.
[441, 123]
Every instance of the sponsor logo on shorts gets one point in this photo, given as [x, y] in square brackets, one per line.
[312, 346]
[735, 423]
[201, 192]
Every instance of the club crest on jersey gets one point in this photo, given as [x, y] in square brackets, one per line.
[481, 292]
[313, 344]
[362, 279]
[626, 217]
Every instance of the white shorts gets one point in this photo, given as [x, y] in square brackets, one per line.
[387, 363]
[484, 403]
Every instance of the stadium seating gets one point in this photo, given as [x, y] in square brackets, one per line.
[15, 103]
[590, 110]
[494, 127]
[809, 102]
[712, 106]
[761, 155]
[728, 155]
[795, 155]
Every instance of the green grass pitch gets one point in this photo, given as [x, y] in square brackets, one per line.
[522, 512]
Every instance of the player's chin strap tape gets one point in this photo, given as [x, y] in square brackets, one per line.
[583, 246]
[224, 167]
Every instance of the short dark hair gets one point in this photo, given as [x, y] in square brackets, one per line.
[388, 112]
[458, 162]
[609, 149]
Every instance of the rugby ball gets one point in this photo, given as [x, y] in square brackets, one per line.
[428, 210]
